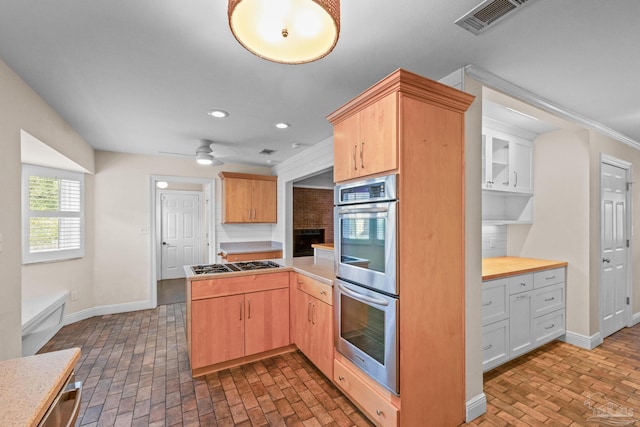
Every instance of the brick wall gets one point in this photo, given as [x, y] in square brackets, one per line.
[313, 208]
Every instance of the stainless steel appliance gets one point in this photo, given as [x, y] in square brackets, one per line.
[231, 267]
[366, 292]
[65, 408]
[367, 331]
[365, 233]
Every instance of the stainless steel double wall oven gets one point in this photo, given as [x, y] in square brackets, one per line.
[367, 289]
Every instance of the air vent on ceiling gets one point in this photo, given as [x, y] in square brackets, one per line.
[489, 13]
[267, 152]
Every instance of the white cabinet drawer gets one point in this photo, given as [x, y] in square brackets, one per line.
[548, 299]
[495, 301]
[548, 327]
[520, 283]
[548, 277]
[495, 344]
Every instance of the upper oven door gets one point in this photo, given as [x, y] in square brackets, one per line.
[365, 245]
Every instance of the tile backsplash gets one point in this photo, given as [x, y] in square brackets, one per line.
[494, 241]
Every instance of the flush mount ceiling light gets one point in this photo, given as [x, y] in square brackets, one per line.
[286, 31]
[282, 125]
[218, 113]
[204, 154]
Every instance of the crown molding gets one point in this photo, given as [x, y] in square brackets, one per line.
[508, 88]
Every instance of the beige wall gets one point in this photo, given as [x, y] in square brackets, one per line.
[561, 217]
[122, 267]
[22, 109]
[473, 241]
[566, 224]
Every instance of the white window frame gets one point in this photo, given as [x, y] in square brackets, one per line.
[29, 257]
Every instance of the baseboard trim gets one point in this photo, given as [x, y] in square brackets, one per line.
[635, 319]
[582, 341]
[476, 407]
[106, 309]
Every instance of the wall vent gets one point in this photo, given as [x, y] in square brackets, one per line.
[489, 13]
[267, 152]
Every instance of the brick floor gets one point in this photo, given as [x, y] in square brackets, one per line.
[563, 385]
[135, 371]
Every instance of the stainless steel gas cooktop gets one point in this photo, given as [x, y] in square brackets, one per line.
[231, 267]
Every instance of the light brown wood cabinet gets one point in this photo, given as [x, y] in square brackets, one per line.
[313, 320]
[365, 142]
[248, 198]
[252, 256]
[418, 126]
[236, 317]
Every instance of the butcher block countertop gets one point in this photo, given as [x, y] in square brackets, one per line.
[499, 267]
[28, 385]
[325, 246]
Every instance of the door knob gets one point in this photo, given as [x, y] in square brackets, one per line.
[607, 260]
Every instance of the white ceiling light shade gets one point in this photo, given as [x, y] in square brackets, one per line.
[162, 184]
[282, 125]
[204, 154]
[286, 31]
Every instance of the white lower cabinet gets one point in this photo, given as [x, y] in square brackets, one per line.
[520, 313]
[495, 344]
[520, 322]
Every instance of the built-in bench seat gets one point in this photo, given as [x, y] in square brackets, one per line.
[42, 318]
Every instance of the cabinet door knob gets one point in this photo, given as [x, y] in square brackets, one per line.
[379, 412]
[341, 378]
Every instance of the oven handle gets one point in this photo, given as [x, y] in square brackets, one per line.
[362, 297]
[343, 211]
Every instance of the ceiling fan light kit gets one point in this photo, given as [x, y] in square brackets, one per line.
[204, 156]
[286, 31]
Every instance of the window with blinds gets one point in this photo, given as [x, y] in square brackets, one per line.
[53, 214]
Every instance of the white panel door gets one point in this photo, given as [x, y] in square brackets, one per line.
[180, 233]
[613, 288]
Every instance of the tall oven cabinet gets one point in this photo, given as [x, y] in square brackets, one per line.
[423, 121]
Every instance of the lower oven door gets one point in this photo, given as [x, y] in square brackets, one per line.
[367, 331]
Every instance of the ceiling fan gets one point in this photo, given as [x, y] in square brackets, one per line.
[204, 154]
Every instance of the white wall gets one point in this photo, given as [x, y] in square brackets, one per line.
[22, 109]
[561, 218]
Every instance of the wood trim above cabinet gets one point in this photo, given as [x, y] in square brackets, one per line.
[224, 175]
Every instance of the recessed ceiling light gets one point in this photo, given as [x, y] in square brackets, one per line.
[218, 113]
[282, 125]
[162, 184]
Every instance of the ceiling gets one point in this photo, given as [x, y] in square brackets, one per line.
[139, 76]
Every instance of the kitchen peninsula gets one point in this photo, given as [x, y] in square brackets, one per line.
[241, 312]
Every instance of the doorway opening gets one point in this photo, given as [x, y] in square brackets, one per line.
[312, 212]
[183, 224]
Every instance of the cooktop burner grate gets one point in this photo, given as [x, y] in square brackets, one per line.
[212, 269]
[231, 267]
[256, 265]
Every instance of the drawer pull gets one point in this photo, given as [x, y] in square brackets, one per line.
[340, 378]
[487, 303]
[552, 326]
[523, 284]
[487, 347]
[379, 412]
[549, 299]
[323, 292]
[519, 297]
[550, 278]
